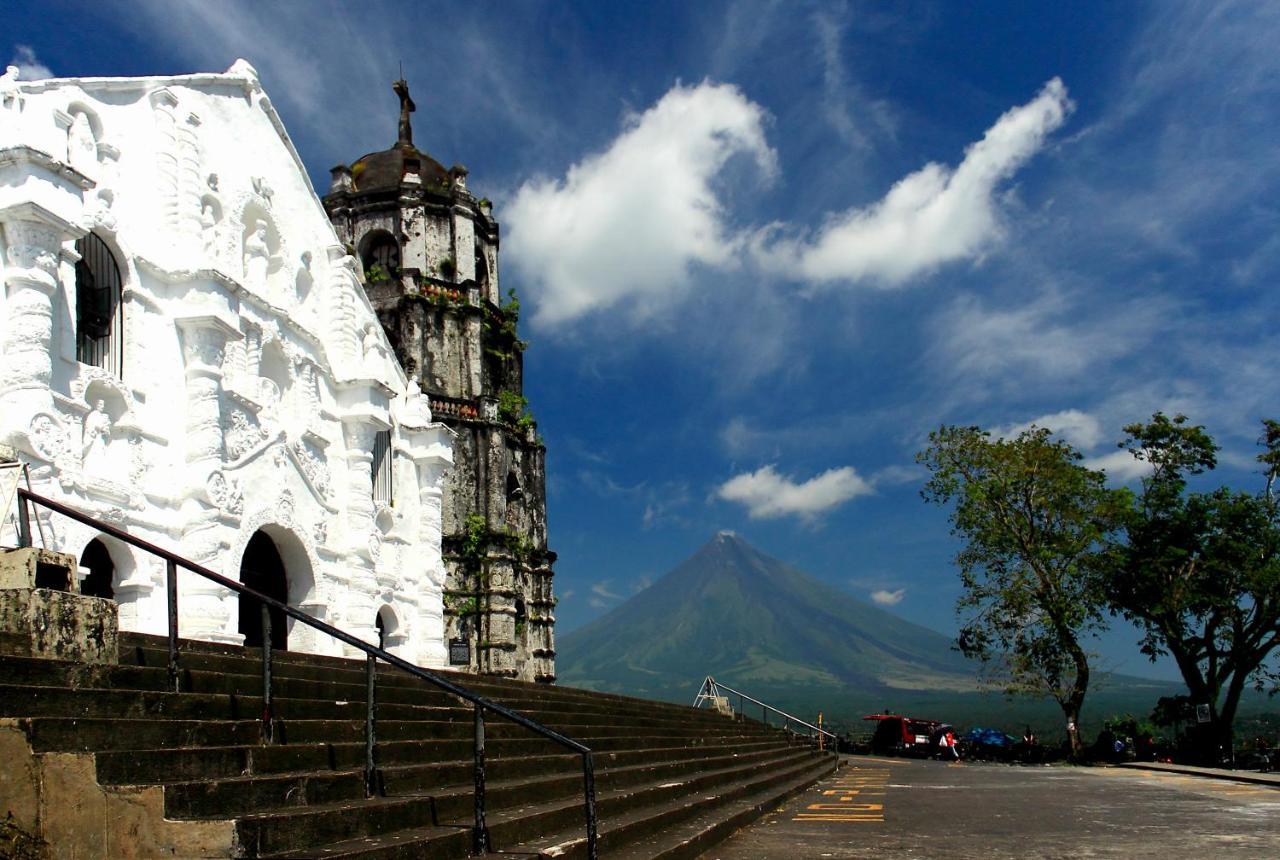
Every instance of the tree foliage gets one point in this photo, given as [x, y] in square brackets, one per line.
[1034, 520]
[1199, 572]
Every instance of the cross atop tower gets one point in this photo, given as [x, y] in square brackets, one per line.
[406, 107]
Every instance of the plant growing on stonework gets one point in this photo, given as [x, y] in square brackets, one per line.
[447, 268]
[375, 274]
[1034, 521]
[473, 543]
[514, 409]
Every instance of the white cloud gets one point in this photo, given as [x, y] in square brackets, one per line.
[603, 595]
[933, 216]
[768, 495]
[841, 96]
[629, 223]
[1120, 466]
[1080, 429]
[885, 597]
[1044, 339]
[896, 474]
[29, 68]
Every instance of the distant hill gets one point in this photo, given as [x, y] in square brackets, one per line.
[762, 626]
[733, 612]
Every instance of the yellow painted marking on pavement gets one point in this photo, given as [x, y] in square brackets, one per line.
[853, 784]
[876, 818]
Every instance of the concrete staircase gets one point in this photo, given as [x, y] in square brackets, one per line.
[190, 772]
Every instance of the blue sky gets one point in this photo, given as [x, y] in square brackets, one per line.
[764, 248]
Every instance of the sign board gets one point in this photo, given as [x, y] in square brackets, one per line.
[1202, 714]
[459, 652]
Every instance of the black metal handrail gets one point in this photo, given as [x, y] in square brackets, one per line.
[480, 831]
[711, 688]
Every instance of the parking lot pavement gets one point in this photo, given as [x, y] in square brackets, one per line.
[874, 807]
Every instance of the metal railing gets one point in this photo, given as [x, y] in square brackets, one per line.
[712, 689]
[480, 831]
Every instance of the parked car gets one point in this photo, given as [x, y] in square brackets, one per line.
[901, 735]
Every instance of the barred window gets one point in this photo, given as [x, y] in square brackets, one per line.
[383, 486]
[99, 309]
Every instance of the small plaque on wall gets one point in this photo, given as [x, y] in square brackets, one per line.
[459, 652]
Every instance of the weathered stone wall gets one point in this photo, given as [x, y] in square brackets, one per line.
[444, 317]
[55, 798]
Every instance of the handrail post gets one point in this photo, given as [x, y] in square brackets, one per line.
[370, 728]
[480, 833]
[24, 521]
[268, 710]
[171, 587]
[589, 799]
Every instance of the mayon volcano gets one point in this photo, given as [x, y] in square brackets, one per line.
[758, 624]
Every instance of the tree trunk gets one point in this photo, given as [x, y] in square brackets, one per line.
[1072, 713]
[1071, 708]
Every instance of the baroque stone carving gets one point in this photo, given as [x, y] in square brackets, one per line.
[204, 345]
[33, 245]
[313, 466]
[138, 464]
[244, 434]
[225, 493]
[285, 505]
[49, 438]
[263, 189]
[96, 438]
[257, 256]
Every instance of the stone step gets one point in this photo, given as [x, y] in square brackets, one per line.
[284, 833]
[557, 828]
[450, 786]
[57, 734]
[637, 821]
[32, 701]
[142, 649]
[664, 771]
[713, 823]
[393, 687]
[163, 765]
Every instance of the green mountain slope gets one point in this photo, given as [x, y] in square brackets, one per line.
[754, 622]
[776, 633]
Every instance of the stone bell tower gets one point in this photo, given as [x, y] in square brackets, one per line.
[429, 251]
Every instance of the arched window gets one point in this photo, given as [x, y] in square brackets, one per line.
[99, 309]
[383, 485]
[514, 491]
[382, 250]
[99, 582]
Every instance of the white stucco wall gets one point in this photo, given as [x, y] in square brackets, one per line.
[255, 374]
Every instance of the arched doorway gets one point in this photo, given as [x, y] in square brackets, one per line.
[262, 569]
[102, 571]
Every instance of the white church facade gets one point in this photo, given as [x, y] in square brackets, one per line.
[189, 354]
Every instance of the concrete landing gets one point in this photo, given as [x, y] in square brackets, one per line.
[898, 808]
[1250, 776]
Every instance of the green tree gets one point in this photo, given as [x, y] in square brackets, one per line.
[1034, 521]
[1199, 573]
